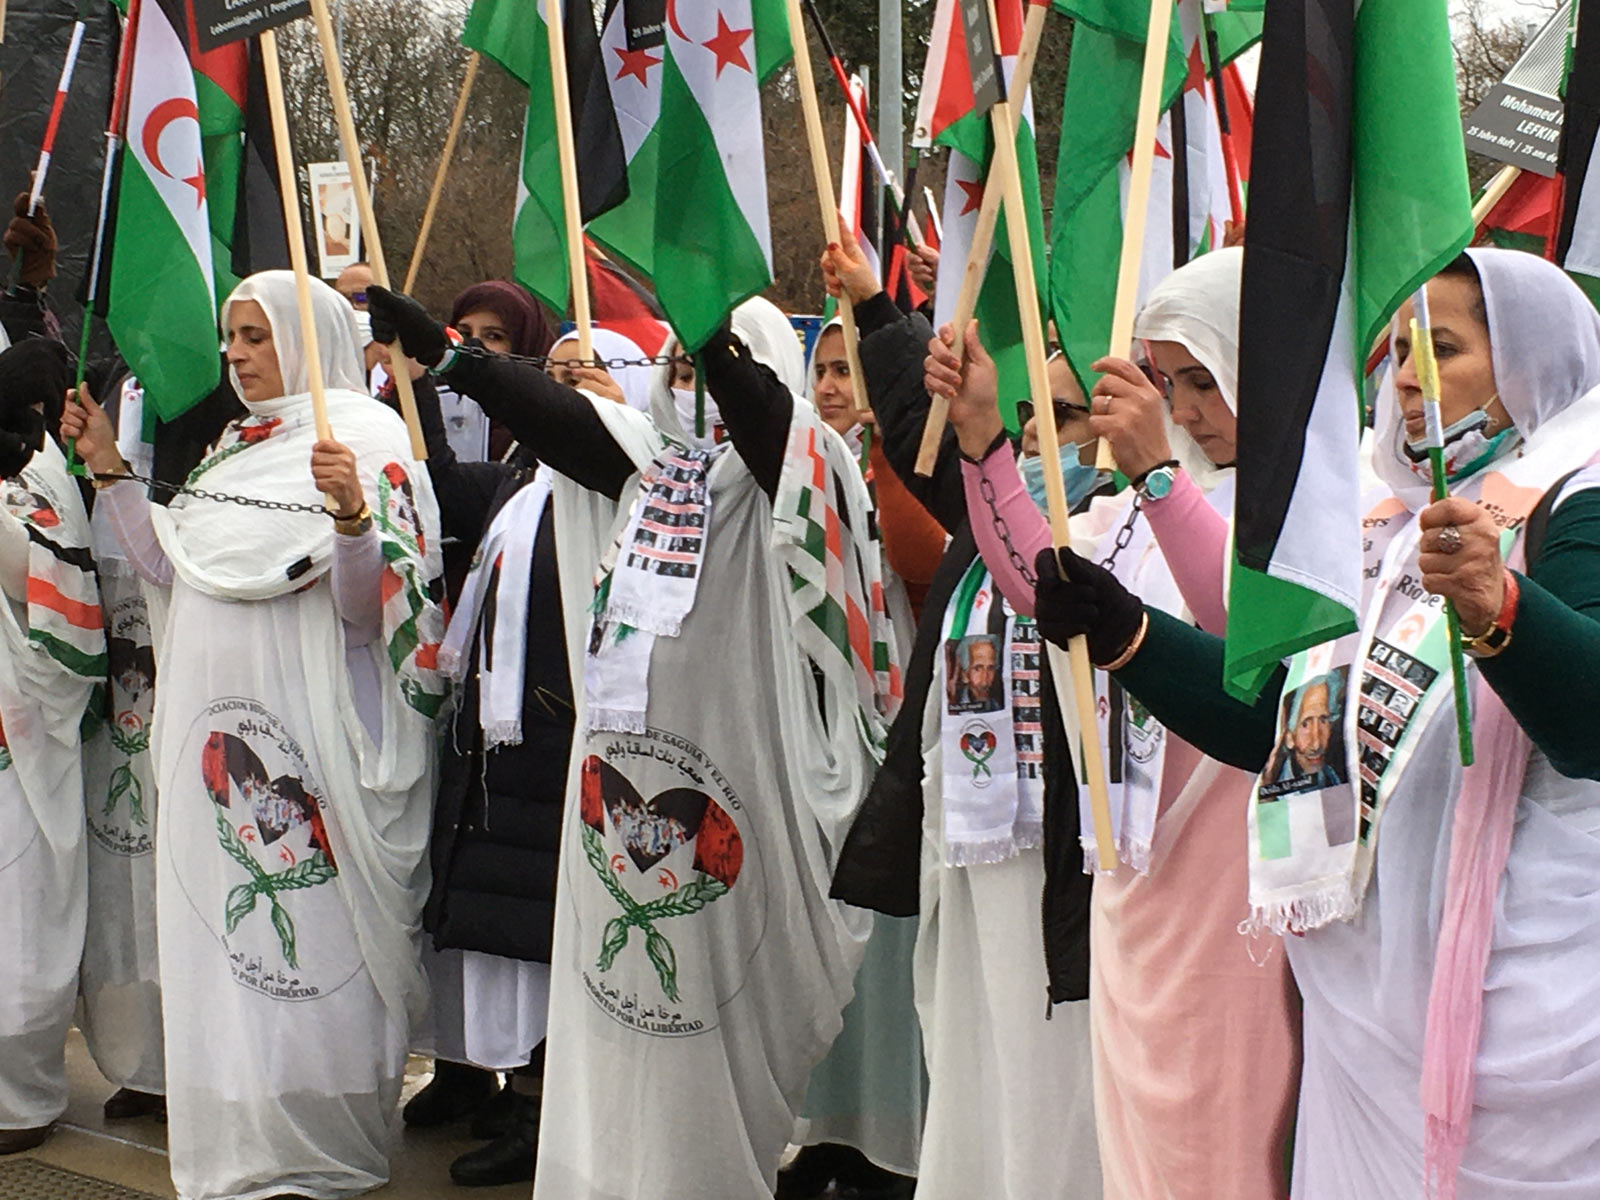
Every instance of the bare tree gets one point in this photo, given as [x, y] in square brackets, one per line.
[1486, 47]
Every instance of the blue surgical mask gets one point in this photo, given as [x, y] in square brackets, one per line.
[1080, 480]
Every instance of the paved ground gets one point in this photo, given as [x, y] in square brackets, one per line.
[133, 1153]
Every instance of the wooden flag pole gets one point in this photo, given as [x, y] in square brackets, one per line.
[826, 196]
[982, 241]
[296, 234]
[398, 370]
[444, 169]
[1144, 155]
[1072, 664]
[1494, 193]
[577, 264]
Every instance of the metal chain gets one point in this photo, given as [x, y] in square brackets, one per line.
[220, 497]
[543, 361]
[986, 490]
[1124, 535]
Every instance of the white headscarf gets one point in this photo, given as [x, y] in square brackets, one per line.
[762, 327]
[338, 340]
[1544, 341]
[1198, 307]
[636, 383]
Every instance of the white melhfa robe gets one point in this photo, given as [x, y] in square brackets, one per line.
[51, 653]
[295, 774]
[120, 985]
[700, 968]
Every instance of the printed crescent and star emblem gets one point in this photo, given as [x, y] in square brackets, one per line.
[177, 108]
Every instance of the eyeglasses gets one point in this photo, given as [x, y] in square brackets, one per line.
[1064, 410]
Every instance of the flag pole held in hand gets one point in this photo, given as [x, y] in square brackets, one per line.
[567, 155]
[1428, 382]
[369, 223]
[1144, 155]
[295, 232]
[53, 125]
[823, 176]
[1072, 666]
[982, 241]
[119, 116]
[445, 156]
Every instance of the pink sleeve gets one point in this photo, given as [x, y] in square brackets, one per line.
[1194, 538]
[1030, 532]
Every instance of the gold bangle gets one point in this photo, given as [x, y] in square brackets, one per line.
[101, 482]
[354, 526]
[1126, 656]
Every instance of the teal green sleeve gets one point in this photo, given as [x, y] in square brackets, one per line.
[1549, 676]
[1177, 675]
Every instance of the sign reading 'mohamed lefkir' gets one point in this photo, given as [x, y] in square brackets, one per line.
[1519, 121]
[219, 22]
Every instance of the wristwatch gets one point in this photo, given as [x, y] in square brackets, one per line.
[1498, 636]
[1156, 483]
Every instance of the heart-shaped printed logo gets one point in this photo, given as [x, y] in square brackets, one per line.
[978, 745]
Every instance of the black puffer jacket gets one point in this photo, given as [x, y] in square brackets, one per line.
[880, 863]
[497, 820]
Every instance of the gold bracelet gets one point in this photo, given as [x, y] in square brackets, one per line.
[101, 482]
[1126, 656]
[354, 526]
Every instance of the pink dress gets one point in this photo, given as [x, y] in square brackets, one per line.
[1196, 1030]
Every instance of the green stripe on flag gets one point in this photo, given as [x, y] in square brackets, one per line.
[629, 230]
[1282, 615]
[177, 363]
[90, 666]
[708, 260]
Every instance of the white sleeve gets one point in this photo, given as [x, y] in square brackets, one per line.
[128, 509]
[358, 585]
[13, 558]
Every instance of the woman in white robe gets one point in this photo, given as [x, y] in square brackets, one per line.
[294, 741]
[52, 653]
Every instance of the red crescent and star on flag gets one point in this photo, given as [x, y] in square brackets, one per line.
[727, 45]
[177, 108]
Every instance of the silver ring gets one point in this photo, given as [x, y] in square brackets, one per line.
[1449, 540]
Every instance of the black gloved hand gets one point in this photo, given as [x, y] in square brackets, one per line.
[35, 239]
[396, 316]
[17, 449]
[1074, 597]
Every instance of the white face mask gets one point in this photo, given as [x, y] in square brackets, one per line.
[1467, 447]
[684, 400]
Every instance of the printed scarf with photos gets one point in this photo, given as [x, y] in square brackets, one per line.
[1349, 721]
[990, 726]
[647, 584]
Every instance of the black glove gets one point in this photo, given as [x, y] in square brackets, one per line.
[1074, 597]
[18, 448]
[35, 239]
[397, 317]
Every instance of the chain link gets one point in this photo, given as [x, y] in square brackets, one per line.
[1124, 535]
[220, 497]
[543, 361]
[986, 490]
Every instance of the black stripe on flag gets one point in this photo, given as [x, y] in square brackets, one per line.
[1581, 124]
[259, 240]
[602, 162]
[1294, 258]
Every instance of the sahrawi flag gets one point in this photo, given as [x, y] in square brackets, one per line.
[514, 33]
[1358, 141]
[162, 306]
[633, 53]
[1098, 119]
[947, 115]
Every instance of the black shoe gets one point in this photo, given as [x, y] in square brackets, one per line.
[494, 1115]
[507, 1159]
[126, 1103]
[868, 1181]
[15, 1141]
[812, 1172]
[455, 1091]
